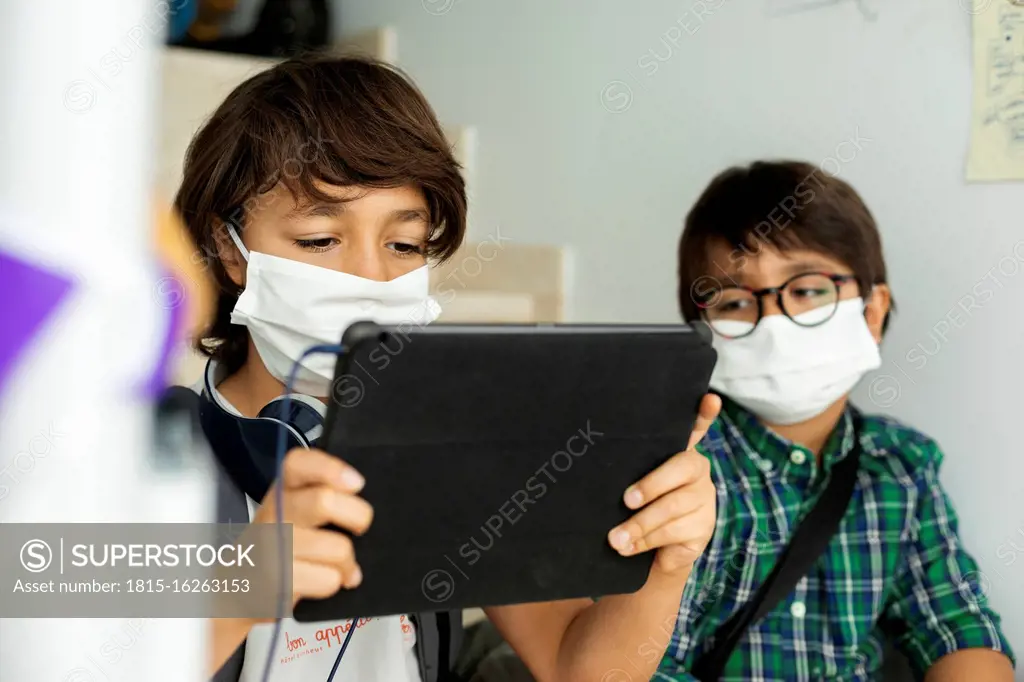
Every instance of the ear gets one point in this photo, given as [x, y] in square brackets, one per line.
[876, 309]
[229, 255]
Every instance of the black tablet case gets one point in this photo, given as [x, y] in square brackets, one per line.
[458, 435]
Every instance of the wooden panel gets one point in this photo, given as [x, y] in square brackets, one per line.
[503, 267]
[378, 43]
[463, 140]
[195, 82]
[487, 306]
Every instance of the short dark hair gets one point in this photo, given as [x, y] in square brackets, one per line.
[343, 121]
[784, 205]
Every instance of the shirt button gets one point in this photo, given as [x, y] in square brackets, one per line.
[797, 457]
[798, 610]
[766, 466]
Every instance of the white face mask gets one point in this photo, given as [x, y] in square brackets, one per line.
[290, 307]
[786, 374]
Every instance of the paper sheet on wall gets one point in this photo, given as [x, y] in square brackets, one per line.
[997, 130]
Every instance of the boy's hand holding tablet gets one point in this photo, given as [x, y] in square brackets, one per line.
[676, 503]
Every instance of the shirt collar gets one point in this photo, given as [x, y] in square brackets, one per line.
[215, 373]
[769, 451]
[212, 376]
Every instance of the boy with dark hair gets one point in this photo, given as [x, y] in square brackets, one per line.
[321, 190]
[785, 265]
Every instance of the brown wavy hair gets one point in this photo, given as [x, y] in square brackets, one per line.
[785, 205]
[341, 121]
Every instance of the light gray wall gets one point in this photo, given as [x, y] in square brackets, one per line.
[556, 165]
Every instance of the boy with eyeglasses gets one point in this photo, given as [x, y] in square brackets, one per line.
[785, 266]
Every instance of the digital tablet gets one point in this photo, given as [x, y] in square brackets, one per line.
[496, 457]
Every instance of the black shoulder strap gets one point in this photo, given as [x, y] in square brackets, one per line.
[804, 549]
[438, 639]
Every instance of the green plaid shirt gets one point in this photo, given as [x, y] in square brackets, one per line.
[895, 570]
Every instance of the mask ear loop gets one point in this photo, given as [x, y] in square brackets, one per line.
[233, 233]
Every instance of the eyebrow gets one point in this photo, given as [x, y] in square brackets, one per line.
[803, 266]
[317, 208]
[410, 215]
[735, 277]
[334, 209]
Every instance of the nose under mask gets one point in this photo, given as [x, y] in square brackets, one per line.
[786, 374]
[289, 307]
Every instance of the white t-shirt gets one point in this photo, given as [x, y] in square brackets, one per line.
[381, 649]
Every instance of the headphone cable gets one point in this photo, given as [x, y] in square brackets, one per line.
[279, 514]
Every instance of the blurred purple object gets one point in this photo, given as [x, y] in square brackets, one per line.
[29, 295]
[176, 308]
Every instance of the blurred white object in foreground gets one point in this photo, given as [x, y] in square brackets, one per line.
[78, 81]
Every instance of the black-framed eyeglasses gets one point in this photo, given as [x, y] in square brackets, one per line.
[808, 299]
